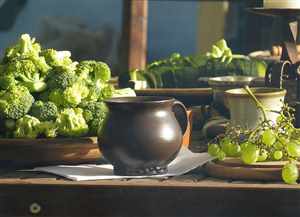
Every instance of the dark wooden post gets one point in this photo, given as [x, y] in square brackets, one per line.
[134, 34]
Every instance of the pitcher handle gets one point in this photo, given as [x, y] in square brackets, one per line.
[181, 115]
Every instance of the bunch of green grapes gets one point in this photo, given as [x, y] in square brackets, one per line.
[267, 142]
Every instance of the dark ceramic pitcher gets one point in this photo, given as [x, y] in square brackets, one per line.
[141, 135]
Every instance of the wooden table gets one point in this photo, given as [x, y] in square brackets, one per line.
[194, 194]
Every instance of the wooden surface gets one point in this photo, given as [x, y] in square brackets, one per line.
[189, 96]
[178, 91]
[134, 34]
[193, 194]
[189, 195]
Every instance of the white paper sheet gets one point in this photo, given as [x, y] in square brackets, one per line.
[183, 163]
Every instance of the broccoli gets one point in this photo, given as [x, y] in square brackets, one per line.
[48, 129]
[57, 58]
[7, 81]
[100, 91]
[56, 96]
[27, 48]
[27, 127]
[69, 94]
[10, 124]
[94, 113]
[44, 111]
[60, 78]
[95, 74]
[76, 93]
[43, 96]
[66, 89]
[15, 102]
[93, 71]
[69, 97]
[71, 122]
[27, 73]
[95, 93]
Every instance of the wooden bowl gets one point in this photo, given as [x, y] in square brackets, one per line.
[24, 153]
[234, 169]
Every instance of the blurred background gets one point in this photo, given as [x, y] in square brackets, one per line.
[91, 29]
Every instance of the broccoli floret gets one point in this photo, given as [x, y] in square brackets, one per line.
[7, 81]
[56, 97]
[27, 73]
[60, 78]
[95, 93]
[99, 92]
[15, 102]
[43, 96]
[57, 58]
[76, 93]
[94, 113]
[10, 124]
[69, 97]
[27, 48]
[48, 129]
[27, 127]
[71, 122]
[93, 71]
[106, 92]
[44, 111]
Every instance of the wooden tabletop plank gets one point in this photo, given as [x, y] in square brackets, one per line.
[199, 181]
[73, 201]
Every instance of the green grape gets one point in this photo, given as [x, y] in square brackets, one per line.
[225, 141]
[268, 137]
[263, 155]
[235, 150]
[277, 155]
[230, 149]
[278, 145]
[250, 154]
[289, 131]
[213, 150]
[225, 144]
[244, 145]
[221, 155]
[293, 149]
[290, 173]
[281, 142]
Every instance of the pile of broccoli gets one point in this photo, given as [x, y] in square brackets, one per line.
[43, 93]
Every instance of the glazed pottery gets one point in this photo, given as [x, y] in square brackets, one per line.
[141, 135]
[223, 83]
[243, 110]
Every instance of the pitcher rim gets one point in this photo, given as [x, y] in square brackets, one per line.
[140, 100]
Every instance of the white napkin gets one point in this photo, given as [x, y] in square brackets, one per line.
[183, 163]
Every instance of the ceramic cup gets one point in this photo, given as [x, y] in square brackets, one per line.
[223, 83]
[243, 110]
